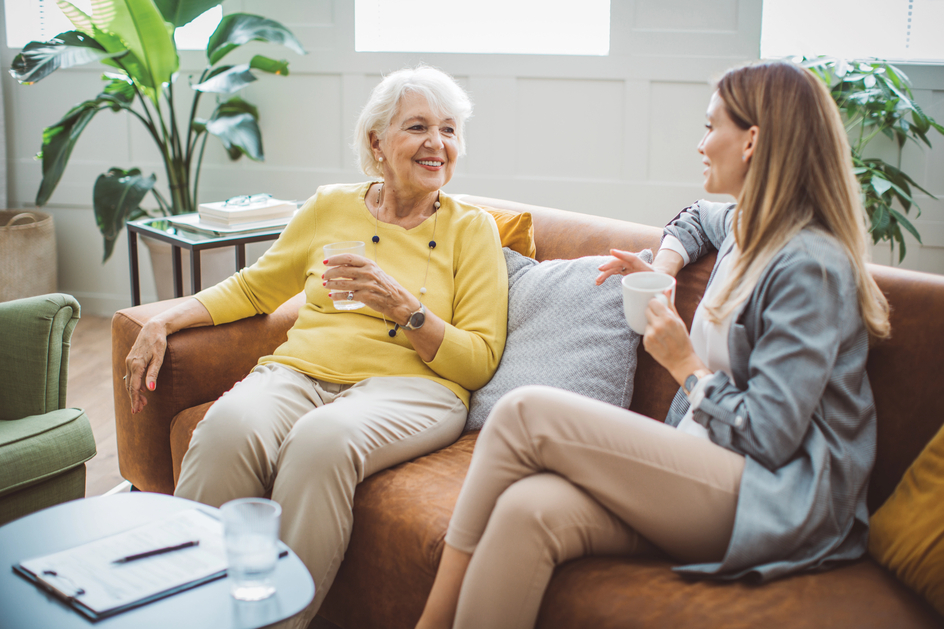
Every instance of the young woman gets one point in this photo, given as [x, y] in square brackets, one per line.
[762, 464]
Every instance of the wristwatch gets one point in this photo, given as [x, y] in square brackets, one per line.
[692, 380]
[416, 320]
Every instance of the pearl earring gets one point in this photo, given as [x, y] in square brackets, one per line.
[380, 159]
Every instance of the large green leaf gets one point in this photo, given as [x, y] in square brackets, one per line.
[227, 79]
[237, 29]
[239, 134]
[128, 63]
[235, 123]
[904, 222]
[119, 86]
[83, 22]
[40, 59]
[180, 12]
[880, 184]
[58, 141]
[117, 197]
[142, 28]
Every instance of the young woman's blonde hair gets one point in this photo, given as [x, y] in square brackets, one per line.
[800, 174]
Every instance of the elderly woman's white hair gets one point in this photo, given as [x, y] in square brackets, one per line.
[441, 91]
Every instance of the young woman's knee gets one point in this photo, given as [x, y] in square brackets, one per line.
[512, 409]
[528, 509]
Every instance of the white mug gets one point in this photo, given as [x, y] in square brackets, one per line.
[638, 290]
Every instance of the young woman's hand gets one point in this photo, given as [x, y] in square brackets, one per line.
[667, 340]
[623, 263]
[626, 262]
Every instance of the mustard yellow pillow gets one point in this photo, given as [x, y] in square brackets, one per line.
[907, 532]
[516, 230]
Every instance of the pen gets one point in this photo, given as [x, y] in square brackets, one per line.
[157, 551]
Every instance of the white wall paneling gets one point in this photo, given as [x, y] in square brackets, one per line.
[613, 136]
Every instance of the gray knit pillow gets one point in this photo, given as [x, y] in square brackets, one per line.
[563, 331]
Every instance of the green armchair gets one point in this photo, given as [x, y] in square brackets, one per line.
[43, 445]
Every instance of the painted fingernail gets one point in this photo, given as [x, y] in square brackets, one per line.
[324, 262]
[151, 386]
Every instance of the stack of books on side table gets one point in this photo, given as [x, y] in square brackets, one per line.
[240, 214]
[245, 210]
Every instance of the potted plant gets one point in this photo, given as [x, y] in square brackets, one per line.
[134, 38]
[875, 99]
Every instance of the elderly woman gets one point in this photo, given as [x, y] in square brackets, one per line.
[762, 465]
[351, 392]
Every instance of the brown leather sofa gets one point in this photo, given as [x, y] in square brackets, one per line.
[401, 514]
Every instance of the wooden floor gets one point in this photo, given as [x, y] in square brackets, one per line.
[90, 389]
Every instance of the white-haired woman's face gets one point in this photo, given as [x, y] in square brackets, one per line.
[419, 148]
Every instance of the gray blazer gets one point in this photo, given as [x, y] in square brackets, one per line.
[800, 409]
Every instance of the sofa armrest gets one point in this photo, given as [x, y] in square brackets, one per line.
[200, 364]
[35, 336]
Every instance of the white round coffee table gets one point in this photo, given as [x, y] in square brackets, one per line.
[25, 606]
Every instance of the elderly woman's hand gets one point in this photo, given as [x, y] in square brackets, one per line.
[144, 362]
[356, 277]
[147, 354]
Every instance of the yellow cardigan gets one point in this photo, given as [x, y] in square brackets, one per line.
[467, 287]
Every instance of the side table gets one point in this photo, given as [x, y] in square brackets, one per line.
[25, 606]
[192, 240]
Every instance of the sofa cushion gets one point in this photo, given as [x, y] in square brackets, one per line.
[564, 331]
[617, 592]
[42, 446]
[907, 535]
[400, 520]
[516, 230]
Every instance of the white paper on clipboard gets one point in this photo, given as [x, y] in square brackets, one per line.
[87, 576]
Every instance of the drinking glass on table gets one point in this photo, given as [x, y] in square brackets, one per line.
[251, 534]
[355, 247]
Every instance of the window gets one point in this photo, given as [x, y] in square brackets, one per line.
[41, 20]
[893, 30]
[526, 27]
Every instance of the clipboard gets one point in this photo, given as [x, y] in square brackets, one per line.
[87, 579]
[64, 590]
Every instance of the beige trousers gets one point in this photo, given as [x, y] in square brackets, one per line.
[556, 476]
[310, 443]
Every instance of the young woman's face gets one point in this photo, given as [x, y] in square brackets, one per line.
[726, 149]
[419, 148]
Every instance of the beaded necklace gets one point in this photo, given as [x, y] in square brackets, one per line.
[432, 245]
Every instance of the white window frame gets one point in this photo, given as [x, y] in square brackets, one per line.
[899, 31]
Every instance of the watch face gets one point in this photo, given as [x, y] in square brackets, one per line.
[690, 383]
[417, 319]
